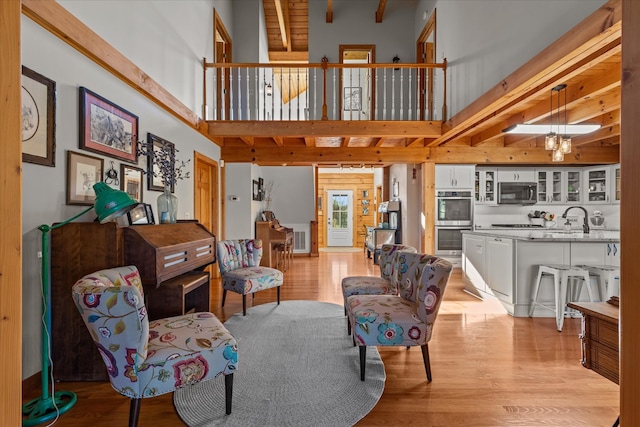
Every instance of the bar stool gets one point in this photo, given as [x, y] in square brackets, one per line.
[566, 279]
[607, 277]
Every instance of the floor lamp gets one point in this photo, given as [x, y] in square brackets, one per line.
[109, 204]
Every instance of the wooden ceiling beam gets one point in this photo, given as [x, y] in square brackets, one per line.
[310, 142]
[390, 155]
[282, 10]
[284, 57]
[248, 140]
[329, 17]
[380, 11]
[325, 128]
[345, 141]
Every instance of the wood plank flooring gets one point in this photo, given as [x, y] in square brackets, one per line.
[489, 369]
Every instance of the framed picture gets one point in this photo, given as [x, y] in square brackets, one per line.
[256, 190]
[141, 214]
[38, 118]
[106, 128]
[154, 179]
[352, 98]
[261, 188]
[82, 172]
[131, 181]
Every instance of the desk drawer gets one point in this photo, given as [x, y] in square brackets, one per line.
[603, 332]
[604, 361]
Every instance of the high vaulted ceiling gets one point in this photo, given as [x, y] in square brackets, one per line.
[586, 59]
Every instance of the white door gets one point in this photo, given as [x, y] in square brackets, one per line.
[340, 222]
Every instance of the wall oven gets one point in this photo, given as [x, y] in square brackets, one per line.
[454, 208]
[449, 240]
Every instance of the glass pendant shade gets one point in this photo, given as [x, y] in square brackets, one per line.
[557, 156]
[550, 141]
[565, 144]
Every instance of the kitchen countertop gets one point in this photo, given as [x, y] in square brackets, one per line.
[549, 234]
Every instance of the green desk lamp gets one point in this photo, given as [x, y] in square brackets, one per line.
[109, 205]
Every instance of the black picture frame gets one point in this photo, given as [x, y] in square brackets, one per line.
[131, 181]
[261, 188]
[256, 191]
[38, 118]
[106, 128]
[141, 214]
[154, 180]
[82, 172]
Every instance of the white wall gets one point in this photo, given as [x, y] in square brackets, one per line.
[485, 41]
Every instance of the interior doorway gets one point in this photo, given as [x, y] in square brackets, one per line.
[206, 206]
[221, 54]
[357, 92]
[426, 54]
[340, 218]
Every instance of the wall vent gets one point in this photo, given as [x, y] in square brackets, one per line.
[299, 240]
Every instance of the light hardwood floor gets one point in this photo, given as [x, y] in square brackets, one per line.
[489, 369]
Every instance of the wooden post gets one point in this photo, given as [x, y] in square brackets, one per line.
[325, 61]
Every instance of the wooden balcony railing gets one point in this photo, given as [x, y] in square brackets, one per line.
[290, 92]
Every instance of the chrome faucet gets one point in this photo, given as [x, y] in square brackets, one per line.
[585, 226]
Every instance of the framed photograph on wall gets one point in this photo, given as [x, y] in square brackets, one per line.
[261, 188]
[256, 191]
[131, 181]
[352, 99]
[82, 172]
[38, 118]
[106, 128]
[154, 177]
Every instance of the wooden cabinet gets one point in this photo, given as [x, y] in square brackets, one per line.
[600, 338]
[454, 176]
[485, 187]
[595, 254]
[169, 257]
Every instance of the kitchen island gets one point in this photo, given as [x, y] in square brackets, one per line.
[503, 263]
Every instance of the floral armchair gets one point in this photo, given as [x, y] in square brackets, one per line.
[149, 358]
[374, 285]
[405, 319]
[239, 262]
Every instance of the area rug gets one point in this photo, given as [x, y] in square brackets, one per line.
[296, 367]
[340, 249]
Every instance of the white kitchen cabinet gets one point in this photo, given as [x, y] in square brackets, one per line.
[615, 184]
[499, 267]
[573, 185]
[454, 176]
[516, 175]
[595, 254]
[473, 260]
[597, 185]
[485, 186]
[550, 186]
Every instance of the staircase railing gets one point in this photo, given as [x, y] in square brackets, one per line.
[294, 92]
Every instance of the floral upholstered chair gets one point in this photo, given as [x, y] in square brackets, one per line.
[405, 319]
[149, 358]
[374, 285]
[239, 262]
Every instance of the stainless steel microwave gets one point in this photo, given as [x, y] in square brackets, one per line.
[517, 193]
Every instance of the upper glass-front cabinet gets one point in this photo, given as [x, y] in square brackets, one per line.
[574, 185]
[485, 186]
[559, 186]
[598, 183]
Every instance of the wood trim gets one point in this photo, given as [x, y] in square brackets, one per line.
[57, 20]
[429, 207]
[630, 238]
[10, 215]
[282, 11]
[380, 11]
[329, 15]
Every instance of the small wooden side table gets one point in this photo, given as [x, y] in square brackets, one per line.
[600, 338]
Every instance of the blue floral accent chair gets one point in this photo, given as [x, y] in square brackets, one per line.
[149, 358]
[386, 284]
[405, 319]
[239, 262]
